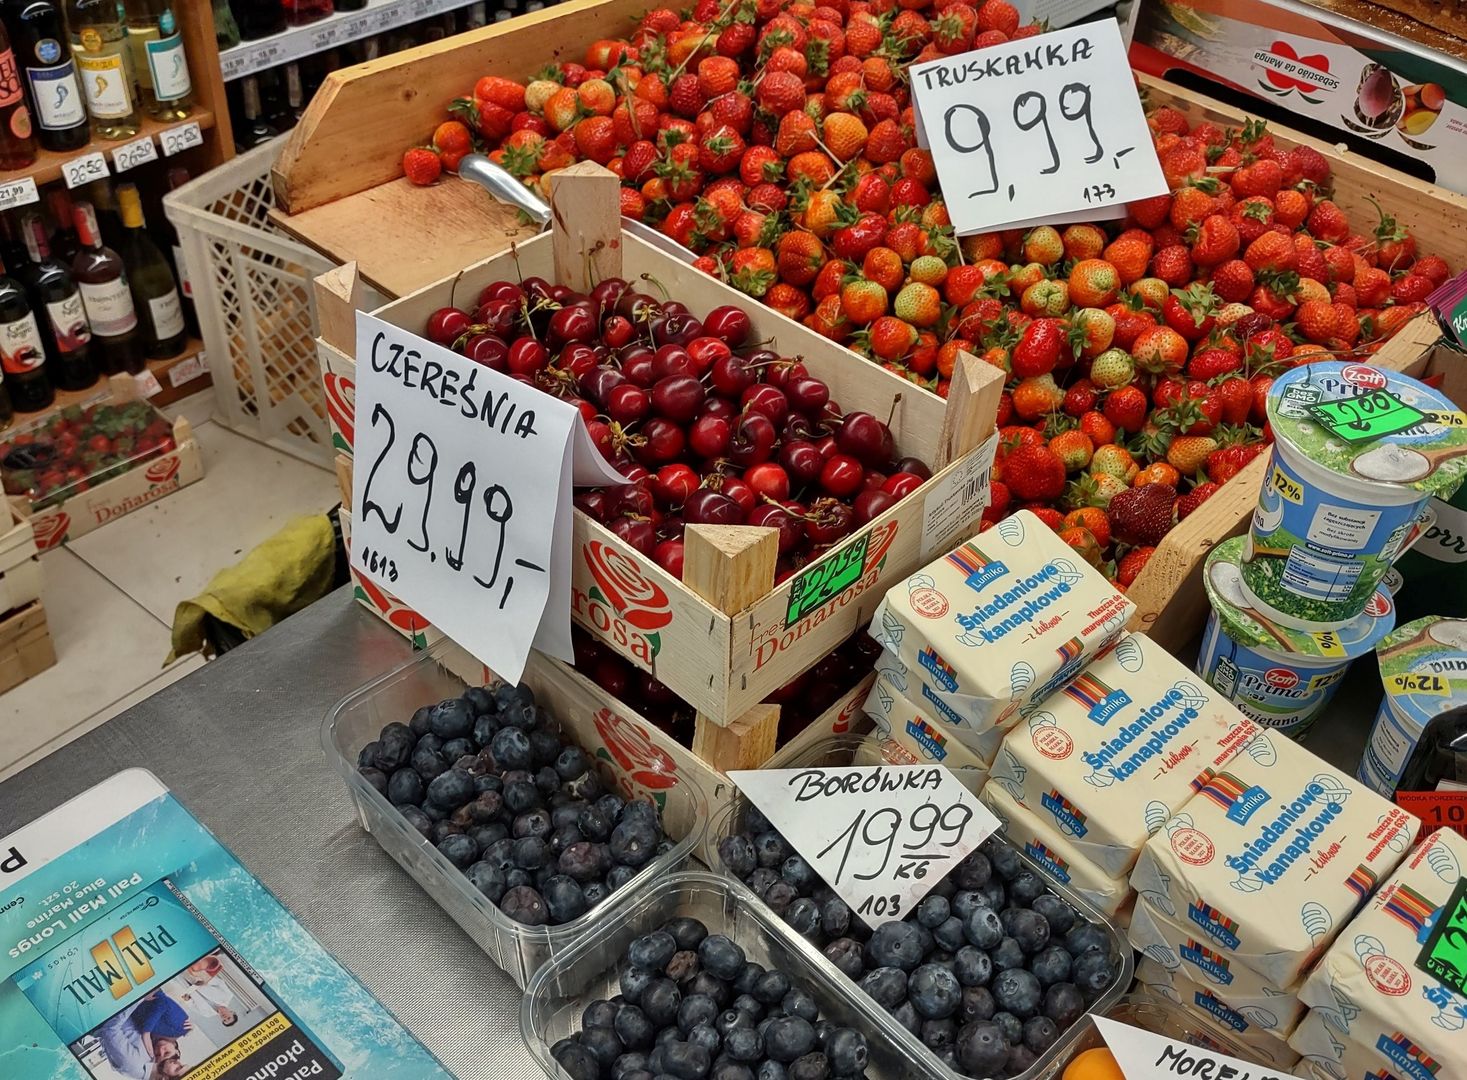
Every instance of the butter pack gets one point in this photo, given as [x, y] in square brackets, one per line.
[1273, 857]
[1049, 849]
[1236, 1035]
[1390, 1053]
[909, 735]
[1196, 962]
[1112, 755]
[982, 742]
[1368, 985]
[1002, 621]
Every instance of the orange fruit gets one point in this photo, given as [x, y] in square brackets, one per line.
[1097, 1063]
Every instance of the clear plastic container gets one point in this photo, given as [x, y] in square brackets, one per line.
[1151, 1014]
[560, 992]
[839, 750]
[519, 950]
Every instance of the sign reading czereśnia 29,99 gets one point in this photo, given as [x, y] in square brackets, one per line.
[1043, 130]
[461, 486]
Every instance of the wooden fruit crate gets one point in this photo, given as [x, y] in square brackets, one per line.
[725, 637]
[20, 563]
[26, 649]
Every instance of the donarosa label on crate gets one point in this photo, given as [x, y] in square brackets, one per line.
[881, 836]
[462, 490]
[1044, 129]
[1144, 1055]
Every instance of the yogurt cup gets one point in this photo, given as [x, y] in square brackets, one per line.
[1423, 666]
[1279, 676]
[1358, 450]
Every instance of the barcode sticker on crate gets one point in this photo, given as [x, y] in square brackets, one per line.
[954, 500]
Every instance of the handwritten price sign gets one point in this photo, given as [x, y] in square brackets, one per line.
[138, 152]
[880, 835]
[1048, 128]
[178, 139]
[84, 170]
[462, 488]
[1144, 1055]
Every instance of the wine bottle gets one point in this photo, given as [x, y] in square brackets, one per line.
[99, 43]
[226, 30]
[153, 291]
[64, 244]
[22, 350]
[99, 275]
[258, 18]
[59, 111]
[256, 129]
[69, 356]
[300, 12]
[177, 177]
[158, 59]
[1433, 784]
[17, 143]
[7, 411]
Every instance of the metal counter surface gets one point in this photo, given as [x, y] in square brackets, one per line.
[238, 741]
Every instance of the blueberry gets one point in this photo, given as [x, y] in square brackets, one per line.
[933, 911]
[660, 1001]
[716, 988]
[530, 853]
[514, 877]
[788, 1038]
[1056, 912]
[367, 755]
[771, 987]
[895, 944]
[488, 879]
[1021, 1059]
[441, 825]
[984, 928]
[846, 1050]
[687, 932]
[577, 1061]
[533, 823]
[1007, 955]
[632, 1026]
[524, 905]
[415, 817]
[1006, 860]
[1040, 1032]
[479, 699]
[564, 899]
[771, 1070]
[429, 763]
[798, 1002]
[523, 715]
[618, 876]
[934, 991]
[743, 1044]
[452, 789]
[394, 747]
[771, 849]
[1017, 991]
[761, 879]
[686, 1061]
[737, 854]
[845, 954]
[585, 861]
[995, 894]
[950, 936]
[973, 872]
[803, 917]
[721, 956]
[595, 892]
[547, 783]
[964, 902]
[501, 854]
[571, 763]
[798, 873]
[972, 966]
[1028, 928]
[812, 1066]
[1011, 1026]
[683, 965]
[451, 719]
[938, 1034]
[977, 1004]
[605, 1047]
[1095, 970]
[587, 786]
[521, 797]
[750, 1004]
[511, 748]
[566, 837]
[420, 723]
[729, 1070]
[906, 1015]
[378, 779]
[652, 951]
[703, 1035]
[1026, 887]
[731, 1020]
[600, 1013]
[459, 850]
[887, 986]
[835, 916]
[1064, 1004]
[629, 1065]
[487, 782]
[634, 841]
[1051, 965]
[780, 895]
[694, 1010]
[1086, 937]
[455, 749]
[609, 805]
[593, 824]
[486, 807]
[545, 749]
[485, 728]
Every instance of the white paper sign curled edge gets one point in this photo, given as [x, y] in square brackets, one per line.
[1144, 1055]
[881, 836]
[496, 581]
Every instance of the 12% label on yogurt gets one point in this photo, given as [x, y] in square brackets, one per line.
[881, 836]
[138, 152]
[84, 169]
[175, 140]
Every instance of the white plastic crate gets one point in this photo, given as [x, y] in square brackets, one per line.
[256, 305]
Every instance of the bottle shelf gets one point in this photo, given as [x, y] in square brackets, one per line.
[167, 138]
[177, 377]
[297, 42]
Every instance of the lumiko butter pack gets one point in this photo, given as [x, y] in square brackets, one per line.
[1112, 755]
[1042, 843]
[1002, 621]
[1191, 959]
[1391, 1054]
[1368, 985]
[910, 736]
[1213, 1015]
[982, 742]
[1273, 857]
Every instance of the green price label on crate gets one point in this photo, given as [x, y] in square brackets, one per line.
[1444, 956]
[1369, 416]
[826, 580]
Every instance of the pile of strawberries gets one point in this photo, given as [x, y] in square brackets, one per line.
[776, 140]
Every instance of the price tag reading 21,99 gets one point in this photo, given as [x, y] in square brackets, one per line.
[881, 836]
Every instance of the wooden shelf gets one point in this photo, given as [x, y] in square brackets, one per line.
[162, 370]
[47, 166]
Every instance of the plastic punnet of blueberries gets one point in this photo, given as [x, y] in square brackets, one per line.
[489, 779]
[692, 1006]
[988, 971]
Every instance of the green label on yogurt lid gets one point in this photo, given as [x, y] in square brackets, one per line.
[1369, 416]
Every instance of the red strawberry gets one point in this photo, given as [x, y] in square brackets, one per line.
[1143, 515]
[1034, 473]
[1126, 407]
[1038, 348]
[422, 165]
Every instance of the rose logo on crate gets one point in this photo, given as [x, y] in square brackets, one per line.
[645, 763]
[51, 529]
[393, 610]
[341, 404]
[1287, 71]
[161, 471]
[621, 586]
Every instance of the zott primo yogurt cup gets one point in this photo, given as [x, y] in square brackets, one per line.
[1279, 676]
[1423, 666]
[1357, 451]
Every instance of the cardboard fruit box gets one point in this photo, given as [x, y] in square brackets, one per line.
[80, 496]
[725, 637]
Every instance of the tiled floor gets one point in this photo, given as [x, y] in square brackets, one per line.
[110, 595]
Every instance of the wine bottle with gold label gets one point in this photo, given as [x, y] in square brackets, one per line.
[99, 45]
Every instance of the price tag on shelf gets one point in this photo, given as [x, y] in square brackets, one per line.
[880, 835]
[1047, 128]
[20, 192]
[186, 371]
[175, 140]
[234, 62]
[84, 169]
[387, 16]
[323, 37]
[462, 495]
[1144, 1055]
[148, 383]
[131, 155]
